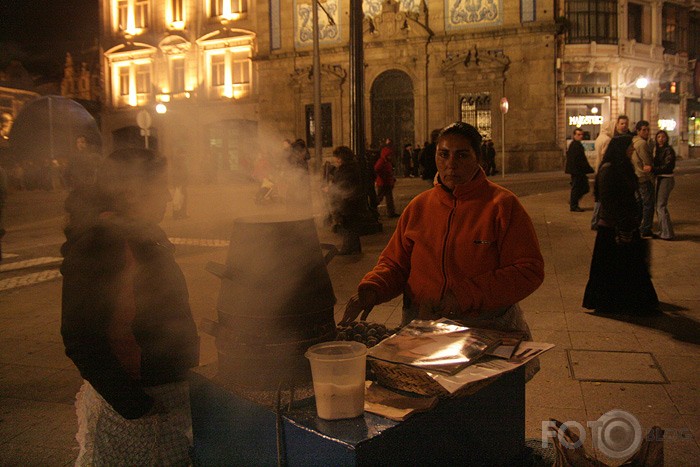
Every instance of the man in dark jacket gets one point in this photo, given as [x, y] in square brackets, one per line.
[577, 165]
[427, 157]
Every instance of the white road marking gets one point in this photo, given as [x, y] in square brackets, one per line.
[30, 263]
[199, 242]
[29, 279]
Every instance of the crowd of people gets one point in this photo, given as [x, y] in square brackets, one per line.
[634, 179]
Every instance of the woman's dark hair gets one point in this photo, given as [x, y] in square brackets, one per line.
[466, 130]
[661, 132]
[344, 153]
[121, 179]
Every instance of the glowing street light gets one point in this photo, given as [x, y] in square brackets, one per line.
[641, 83]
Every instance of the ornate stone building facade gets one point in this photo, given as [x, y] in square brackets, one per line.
[235, 76]
[608, 46]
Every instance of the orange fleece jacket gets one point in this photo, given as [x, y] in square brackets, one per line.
[477, 242]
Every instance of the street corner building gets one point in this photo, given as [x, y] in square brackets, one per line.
[233, 78]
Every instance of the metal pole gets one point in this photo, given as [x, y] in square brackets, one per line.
[503, 144]
[641, 104]
[368, 220]
[318, 141]
[357, 81]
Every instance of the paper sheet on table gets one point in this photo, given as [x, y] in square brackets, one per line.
[489, 367]
[392, 405]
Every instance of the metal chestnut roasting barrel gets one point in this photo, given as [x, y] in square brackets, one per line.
[276, 300]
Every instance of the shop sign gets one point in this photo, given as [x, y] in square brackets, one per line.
[667, 124]
[580, 120]
[579, 90]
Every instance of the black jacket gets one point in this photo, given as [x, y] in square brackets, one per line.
[576, 162]
[345, 193]
[615, 188]
[664, 160]
[163, 328]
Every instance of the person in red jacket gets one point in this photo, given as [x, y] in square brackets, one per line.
[385, 180]
[465, 249]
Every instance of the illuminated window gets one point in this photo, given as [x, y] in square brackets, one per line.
[177, 75]
[130, 16]
[143, 79]
[241, 69]
[122, 14]
[475, 109]
[218, 70]
[177, 12]
[131, 82]
[230, 72]
[228, 8]
[124, 81]
[141, 14]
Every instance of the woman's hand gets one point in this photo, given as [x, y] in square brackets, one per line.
[363, 301]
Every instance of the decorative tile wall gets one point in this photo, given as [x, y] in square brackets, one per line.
[463, 14]
[329, 30]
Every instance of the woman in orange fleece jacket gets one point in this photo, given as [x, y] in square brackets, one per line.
[465, 249]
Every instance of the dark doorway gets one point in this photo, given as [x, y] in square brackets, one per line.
[392, 109]
[131, 137]
[232, 148]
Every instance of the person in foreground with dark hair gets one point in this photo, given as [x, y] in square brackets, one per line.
[126, 320]
[465, 249]
[619, 279]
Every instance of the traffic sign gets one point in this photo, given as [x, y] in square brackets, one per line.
[144, 120]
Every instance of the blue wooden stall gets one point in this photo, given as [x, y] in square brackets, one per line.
[486, 428]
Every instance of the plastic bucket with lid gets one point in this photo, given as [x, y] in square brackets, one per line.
[338, 373]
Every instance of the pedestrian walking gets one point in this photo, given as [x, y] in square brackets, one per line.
[385, 180]
[642, 161]
[82, 164]
[619, 279]
[483, 157]
[346, 199]
[180, 180]
[415, 161]
[427, 157]
[664, 164]
[406, 159]
[126, 321]
[578, 167]
[298, 194]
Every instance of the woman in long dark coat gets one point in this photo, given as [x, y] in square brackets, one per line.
[346, 199]
[619, 280]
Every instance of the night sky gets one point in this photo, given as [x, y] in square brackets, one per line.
[40, 32]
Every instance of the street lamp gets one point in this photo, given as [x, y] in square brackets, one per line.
[641, 83]
[503, 106]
